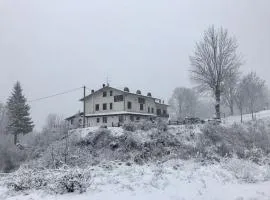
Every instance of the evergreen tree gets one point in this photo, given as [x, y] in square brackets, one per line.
[19, 120]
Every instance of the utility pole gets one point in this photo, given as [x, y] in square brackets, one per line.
[84, 106]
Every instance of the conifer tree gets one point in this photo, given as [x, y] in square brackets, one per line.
[19, 120]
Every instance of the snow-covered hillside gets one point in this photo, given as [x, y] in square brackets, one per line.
[265, 115]
[207, 161]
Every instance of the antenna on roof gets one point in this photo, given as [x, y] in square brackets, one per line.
[107, 80]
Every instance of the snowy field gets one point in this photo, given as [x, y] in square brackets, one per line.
[173, 180]
[247, 117]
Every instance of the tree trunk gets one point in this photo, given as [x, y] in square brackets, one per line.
[217, 107]
[15, 139]
[231, 108]
[241, 113]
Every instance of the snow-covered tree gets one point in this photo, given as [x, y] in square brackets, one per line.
[19, 120]
[229, 90]
[254, 88]
[214, 60]
[183, 103]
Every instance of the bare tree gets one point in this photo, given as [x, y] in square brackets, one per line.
[229, 91]
[240, 97]
[214, 60]
[254, 88]
[183, 103]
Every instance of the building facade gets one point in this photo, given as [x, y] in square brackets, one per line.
[113, 107]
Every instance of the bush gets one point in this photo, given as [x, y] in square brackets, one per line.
[10, 155]
[144, 125]
[59, 181]
[73, 180]
[246, 170]
[249, 141]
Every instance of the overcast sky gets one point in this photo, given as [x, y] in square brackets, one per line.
[55, 45]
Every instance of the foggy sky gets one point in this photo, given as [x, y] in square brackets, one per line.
[55, 45]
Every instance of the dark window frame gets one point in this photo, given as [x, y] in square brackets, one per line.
[97, 107]
[141, 106]
[98, 120]
[111, 93]
[111, 106]
[104, 106]
[118, 98]
[104, 94]
[129, 105]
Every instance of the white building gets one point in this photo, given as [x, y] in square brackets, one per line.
[112, 107]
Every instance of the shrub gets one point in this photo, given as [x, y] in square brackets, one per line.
[59, 181]
[10, 156]
[73, 180]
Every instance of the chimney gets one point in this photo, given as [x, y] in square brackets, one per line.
[103, 85]
[92, 91]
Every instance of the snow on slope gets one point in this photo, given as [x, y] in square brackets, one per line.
[265, 114]
[173, 180]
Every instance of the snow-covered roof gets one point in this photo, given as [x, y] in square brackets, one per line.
[120, 113]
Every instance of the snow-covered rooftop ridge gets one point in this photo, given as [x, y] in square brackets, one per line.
[119, 113]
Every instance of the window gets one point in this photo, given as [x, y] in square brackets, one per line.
[104, 106]
[97, 107]
[131, 118]
[118, 98]
[141, 106]
[104, 119]
[152, 110]
[137, 118]
[158, 112]
[148, 109]
[104, 94]
[129, 105]
[97, 120]
[121, 118]
[110, 106]
[164, 112]
[111, 93]
[141, 100]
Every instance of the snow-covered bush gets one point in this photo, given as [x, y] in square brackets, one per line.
[58, 181]
[249, 141]
[72, 180]
[10, 155]
[26, 179]
[144, 125]
[247, 170]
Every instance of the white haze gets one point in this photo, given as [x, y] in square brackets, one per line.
[53, 46]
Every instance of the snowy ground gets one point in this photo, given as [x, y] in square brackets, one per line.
[173, 180]
[247, 117]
